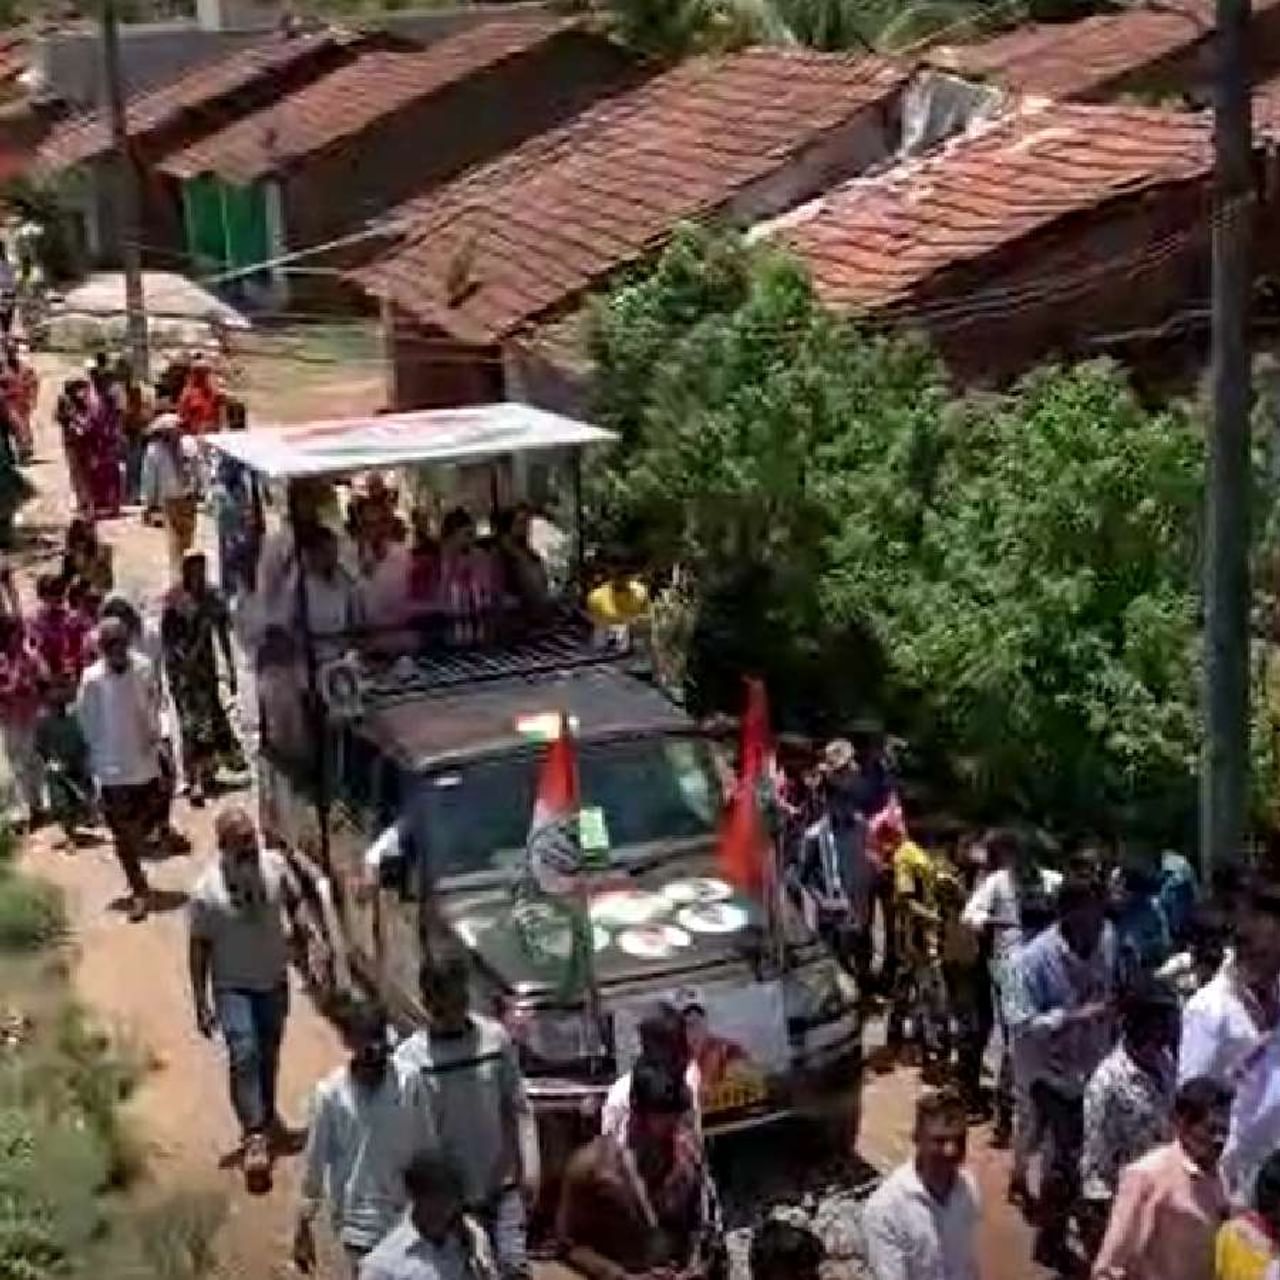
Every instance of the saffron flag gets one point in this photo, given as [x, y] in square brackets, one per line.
[555, 840]
[745, 848]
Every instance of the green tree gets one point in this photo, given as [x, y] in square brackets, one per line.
[1049, 617]
[740, 401]
[1010, 578]
[671, 29]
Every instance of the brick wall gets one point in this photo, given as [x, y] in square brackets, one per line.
[1132, 265]
[429, 370]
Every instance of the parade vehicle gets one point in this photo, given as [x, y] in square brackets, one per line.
[431, 755]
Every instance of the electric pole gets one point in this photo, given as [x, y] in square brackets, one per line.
[125, 202]
[1225, 779]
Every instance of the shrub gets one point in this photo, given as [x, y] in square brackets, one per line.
[32, 914]
[51, 1175]
[176, 1235]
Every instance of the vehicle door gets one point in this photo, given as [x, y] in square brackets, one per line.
[401, 890]
[353, 825]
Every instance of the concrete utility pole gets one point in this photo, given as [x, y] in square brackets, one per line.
[1225, 780]
[125, 193]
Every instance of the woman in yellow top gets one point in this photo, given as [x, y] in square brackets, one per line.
[919, 990]
[620, 601]
[1248, 1246]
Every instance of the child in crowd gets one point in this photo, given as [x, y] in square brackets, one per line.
[782, 1250]
[61, 635]
[61, 746]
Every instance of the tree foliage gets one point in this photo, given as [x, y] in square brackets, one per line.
[673, 29]
[1009, 578]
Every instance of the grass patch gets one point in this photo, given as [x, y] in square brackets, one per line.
[33, 915]
[52, 1174]
[175, 1236]
[65, 1149]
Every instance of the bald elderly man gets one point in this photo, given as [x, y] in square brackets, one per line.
[239, 958]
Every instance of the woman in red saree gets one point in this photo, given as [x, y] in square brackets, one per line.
[106, 445]
[19, 386]
[200, 405]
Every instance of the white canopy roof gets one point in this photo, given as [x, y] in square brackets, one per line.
[340, 446]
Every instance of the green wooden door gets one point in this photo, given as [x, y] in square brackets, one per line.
[202, 216]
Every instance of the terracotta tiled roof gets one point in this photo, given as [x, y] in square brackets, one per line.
[218, 81]
[528, 233]
[1083, 58]
[872, 244]
[347, 100]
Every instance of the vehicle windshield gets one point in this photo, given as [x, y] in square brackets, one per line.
[635, 792]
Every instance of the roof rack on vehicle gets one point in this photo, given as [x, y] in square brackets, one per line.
[566, 643]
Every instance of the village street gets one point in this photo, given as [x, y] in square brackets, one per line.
[134, 977]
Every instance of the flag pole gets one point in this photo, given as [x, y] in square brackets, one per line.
[587, 933]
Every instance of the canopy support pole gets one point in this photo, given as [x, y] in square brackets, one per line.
[579, 546]
[315, 707]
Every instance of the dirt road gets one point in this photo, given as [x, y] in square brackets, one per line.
[134, 976]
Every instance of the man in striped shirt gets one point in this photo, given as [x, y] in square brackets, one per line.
[474, 1092]
[367, 1124]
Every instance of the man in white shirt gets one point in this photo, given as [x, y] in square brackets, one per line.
[367, 1124]
[921, 1221]
[382, 589]
[119, 711]
[1014, 889]
[435, 1239]
[333, 602]
[662, 1039]
[169, 487]
[1231, 1034]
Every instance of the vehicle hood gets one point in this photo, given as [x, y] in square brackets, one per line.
[527, 942]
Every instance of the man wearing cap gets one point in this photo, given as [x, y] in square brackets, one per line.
[169, 487]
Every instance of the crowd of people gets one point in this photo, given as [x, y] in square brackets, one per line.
[1139, 1045]
[1141, 1078]
[105, 712]
[1135, 1013]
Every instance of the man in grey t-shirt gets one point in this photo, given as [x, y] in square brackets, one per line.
[239, 956]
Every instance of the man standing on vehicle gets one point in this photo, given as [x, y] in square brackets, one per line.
[239, 955]
[471, 1082]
